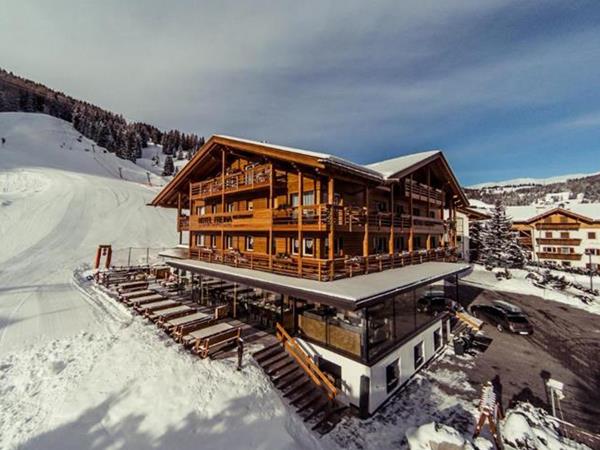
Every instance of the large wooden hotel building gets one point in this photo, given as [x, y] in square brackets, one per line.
[340, 252]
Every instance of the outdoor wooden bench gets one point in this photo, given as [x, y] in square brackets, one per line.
[153, 307]
[132, 285]
[136, 294]
[204, 346]
[170, 312]
[182, 332]
[142, 308]
[171, 324]
[193, 337]
[143, 300]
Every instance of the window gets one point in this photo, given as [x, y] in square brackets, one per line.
[392, 375]
[380, 244]
[199, 240]
[250, 205]
[416, 212]
[295, 246]
[249, 243]
[338, 245]
[437, 338]
[309, 247]
[200, 210]
[308, 198]
[213, 241]
[399, 209]
[419, 354]
[380, 327]
[382, 206]
[432, 215]
[564, 235]
[213, 208]
[591, 235]
[417, 244]
[229, 207]
[548, 234]
[229, 242]
[294, 199]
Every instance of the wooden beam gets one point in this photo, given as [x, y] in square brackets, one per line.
[392, 215]
[366, 233]
[300, 214]
[271, 206]
[412, 226]
[222, 197]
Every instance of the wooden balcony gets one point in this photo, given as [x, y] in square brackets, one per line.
[320, 269]
[561, 256]
[243, 220]
[557, 226]
[422, 192]
[558, 241]
[183, 223]
[257, 177]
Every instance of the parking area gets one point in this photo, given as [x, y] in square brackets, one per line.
[565, 345]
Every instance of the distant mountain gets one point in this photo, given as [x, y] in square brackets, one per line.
[518, 182]
[554, 191]
[108, 129]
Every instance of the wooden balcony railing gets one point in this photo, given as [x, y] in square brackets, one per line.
[251, 178]
[305, 362]
[561, 256]
[559, 241]
[320, 269]
[183, 223]
[557, 226]
[423, 192]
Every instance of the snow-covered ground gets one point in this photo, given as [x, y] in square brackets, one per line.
[76, 373]
[521, 285]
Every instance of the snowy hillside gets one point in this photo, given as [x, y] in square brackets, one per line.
[521, 182]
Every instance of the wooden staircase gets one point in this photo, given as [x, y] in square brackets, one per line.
[301, 382]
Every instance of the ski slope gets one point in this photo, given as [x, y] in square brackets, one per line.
[76, 370]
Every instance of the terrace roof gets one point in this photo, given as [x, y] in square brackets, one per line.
[349, 293]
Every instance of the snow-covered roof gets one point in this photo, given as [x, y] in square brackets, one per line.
[524, 213]
[323, 157]
[352, 292]
[389, 167]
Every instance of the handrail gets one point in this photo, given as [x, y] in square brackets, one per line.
[306, 362]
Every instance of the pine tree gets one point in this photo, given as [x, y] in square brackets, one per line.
[169, 167]
[475, 240]
[500, 247]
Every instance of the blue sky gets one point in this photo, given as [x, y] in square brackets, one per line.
[506, 88]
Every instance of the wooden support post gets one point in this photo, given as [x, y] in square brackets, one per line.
[300, 214]
[331, 234]
[271, 205]
[412, 224]
[222, 199]
[392, 212]
[235, 286]
[366, 234]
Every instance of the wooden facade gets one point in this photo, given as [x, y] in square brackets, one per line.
[297, 213]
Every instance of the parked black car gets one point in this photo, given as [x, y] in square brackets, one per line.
[434, 304]
[503, 319]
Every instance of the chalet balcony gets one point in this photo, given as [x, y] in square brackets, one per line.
[243, 220]
[557, 226]
[561, 256]
[558, 241]
[422, 192]
[320, 269]
[183, 223]
[381, 221]
[256, 177]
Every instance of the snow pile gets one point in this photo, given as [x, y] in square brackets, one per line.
[430, 435]
[526, 427]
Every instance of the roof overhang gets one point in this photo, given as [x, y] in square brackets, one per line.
[348, 293]
[562, 211]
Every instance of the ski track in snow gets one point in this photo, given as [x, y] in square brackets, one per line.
[76, 369]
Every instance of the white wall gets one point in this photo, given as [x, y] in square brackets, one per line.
[352, 370]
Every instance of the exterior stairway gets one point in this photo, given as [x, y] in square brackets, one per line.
[300, 381]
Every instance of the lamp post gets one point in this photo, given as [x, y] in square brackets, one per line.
[588, 251]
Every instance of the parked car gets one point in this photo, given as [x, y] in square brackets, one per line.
[435, 304]
[503, 319]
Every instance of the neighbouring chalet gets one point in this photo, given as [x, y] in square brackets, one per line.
[560, 236]
[340, 252]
